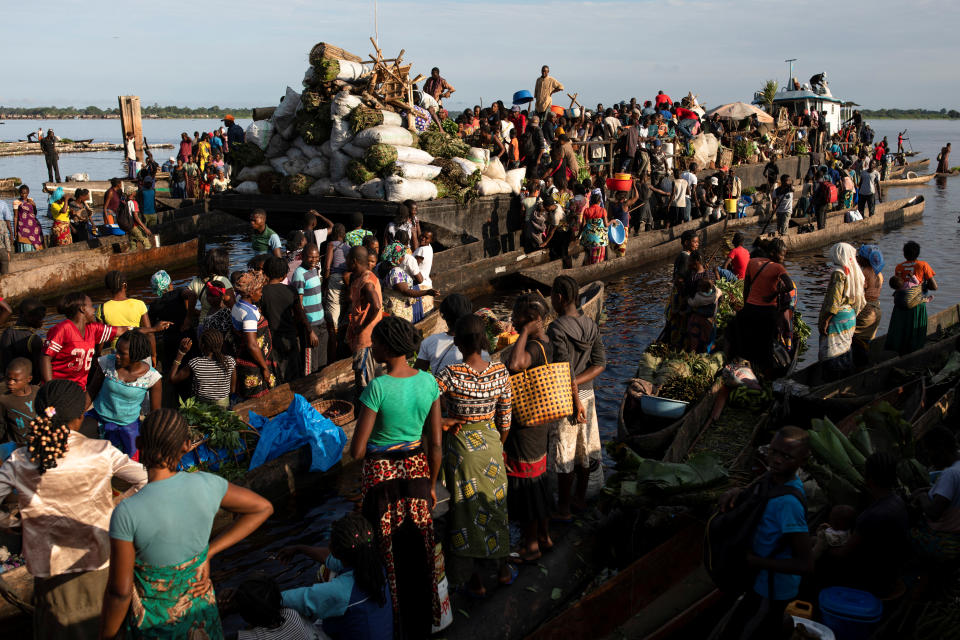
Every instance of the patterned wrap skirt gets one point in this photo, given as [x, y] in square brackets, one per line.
[476, 477]
[396, 501]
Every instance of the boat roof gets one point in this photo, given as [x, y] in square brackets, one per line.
[804, 94]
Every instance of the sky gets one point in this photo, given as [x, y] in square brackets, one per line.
[878, 53]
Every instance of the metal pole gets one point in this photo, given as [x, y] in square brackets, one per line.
[790, 77]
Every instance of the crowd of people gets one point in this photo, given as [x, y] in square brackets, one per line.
[93, 401]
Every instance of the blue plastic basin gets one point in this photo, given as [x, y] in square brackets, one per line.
[663, 407]
[522, 97]
[851, 614]
[616, 232]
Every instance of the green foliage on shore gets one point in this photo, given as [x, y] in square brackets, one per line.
[911, 114]
[151, 111]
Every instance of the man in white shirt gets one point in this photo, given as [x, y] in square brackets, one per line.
[424, 257]
[131, 156]
[693, 201]
[678, 198]
[611, 124]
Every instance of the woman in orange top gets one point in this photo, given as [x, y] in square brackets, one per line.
[908, 324]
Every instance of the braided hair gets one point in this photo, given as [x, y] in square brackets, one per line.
[399, 336]
[59, 402]
[567, 288]
[528, 306]
[211, 341]
[138, 343]
[259, 602]
[162, 434]
[114, 281]
[352, 542]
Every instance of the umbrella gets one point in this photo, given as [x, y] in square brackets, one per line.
[739, 111]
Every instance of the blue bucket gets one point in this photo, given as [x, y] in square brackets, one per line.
[522, 97]
[616, 232]
[851, 614]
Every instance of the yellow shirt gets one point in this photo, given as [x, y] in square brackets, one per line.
[60, 212]
[123, 313]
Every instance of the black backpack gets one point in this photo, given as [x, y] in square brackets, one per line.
[528, 148]
[124, 217]
[729, 535]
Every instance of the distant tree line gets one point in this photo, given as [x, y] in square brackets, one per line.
[152, 111]
[912, 114]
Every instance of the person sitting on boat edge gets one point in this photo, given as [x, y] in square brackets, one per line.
[781, 550]
[937, 537]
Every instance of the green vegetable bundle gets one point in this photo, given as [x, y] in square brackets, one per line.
[326, 70]
[221, 427]
[363, 117]
[269, 183]
[246, 154]
[314, 132]
[358, 172]
[380, 157]
[311, 100]
[298, 184]
[801, 332]
[442, 145]
[835, 451]
[450, 127]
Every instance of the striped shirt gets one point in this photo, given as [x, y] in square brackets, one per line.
[245, 316]
[211, 380]
[474, 396]
[308, 284]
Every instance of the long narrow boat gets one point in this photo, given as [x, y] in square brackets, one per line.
[99, 187]
[57, 270]
[906, 182]
[635, 256]
[909, 210]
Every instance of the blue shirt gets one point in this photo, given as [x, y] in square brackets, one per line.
[782, 515]
[118, 401]
[324, 599]
[169, 521]
[245, 316]
[5, 212]
[308, 284]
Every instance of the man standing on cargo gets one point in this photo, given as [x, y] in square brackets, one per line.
[235, 135]
[48, 144]
[437, 87]
[546, 86]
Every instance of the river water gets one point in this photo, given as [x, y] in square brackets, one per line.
[634, 306]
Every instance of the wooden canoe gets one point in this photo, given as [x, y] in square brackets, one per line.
[635, 256]
[908, 398]
[79, 266]
[99, 187]
[935, 412]
[912, 166]
[908, 211]
[907, 182]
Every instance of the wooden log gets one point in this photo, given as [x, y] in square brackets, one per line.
[331, 52]
[130, 122]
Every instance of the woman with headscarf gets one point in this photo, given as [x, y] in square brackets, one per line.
[27, 231]
[203, 152]
[593, 221]
[256, 370]
[60, 214]
[402, 297]
[870, 260]
[843, 301]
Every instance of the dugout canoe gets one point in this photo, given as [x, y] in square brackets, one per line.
[907, 182]
[79, 266]
[935, 411]
[894, 216]
[912, 166]
[99, 187]
[543, 276]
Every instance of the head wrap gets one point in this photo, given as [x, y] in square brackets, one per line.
[394, 253]
[160, 282]
[57, 194]
[844, 258]
[872, 254]
[250, 282]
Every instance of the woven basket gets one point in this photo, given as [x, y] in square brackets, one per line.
[323, 50]
[323, 406]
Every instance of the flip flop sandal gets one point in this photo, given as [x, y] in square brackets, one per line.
[514, 572]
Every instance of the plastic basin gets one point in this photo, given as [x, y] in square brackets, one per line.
[663, 407]
[573, 113]
[557, 109]
[822, 631]
[622, 176]
[616, 232]
[851, 614]
[619, 185]
[522, 97]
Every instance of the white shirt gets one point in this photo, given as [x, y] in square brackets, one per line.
[320, 235]
[690, 177]
[612, 125]
[440, 352]
[410, 265]
[680, 193]
[131, 150]
[425, 253]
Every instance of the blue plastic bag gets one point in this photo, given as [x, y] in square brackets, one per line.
[300, 424]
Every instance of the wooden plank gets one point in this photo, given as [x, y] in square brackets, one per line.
[130, 122]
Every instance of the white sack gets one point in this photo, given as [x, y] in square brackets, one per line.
[326, 149]
[283, 117]
[479, 156]
[278, 164]
[495, 170]
[372, 189]
[291, 167]
[504, 186]
[392, 118]
[353, 150]
[248, 187]
[343, 103]
[421, 171]
[488, 186]
[309, 151]
[338, 165]
[259, 133]
[346, 189]
[398, 189]
[252, 173]
[322, 187]
[384, 133]
[515, 179]
[309, 76]
[277, 147]
[318, 167]
[705, 147]
[340, 133]
[350, 70]
[411, 154]
[468, 166]
[78, 177]
[294, 154]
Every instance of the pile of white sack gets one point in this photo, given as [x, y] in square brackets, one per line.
[327, 141]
